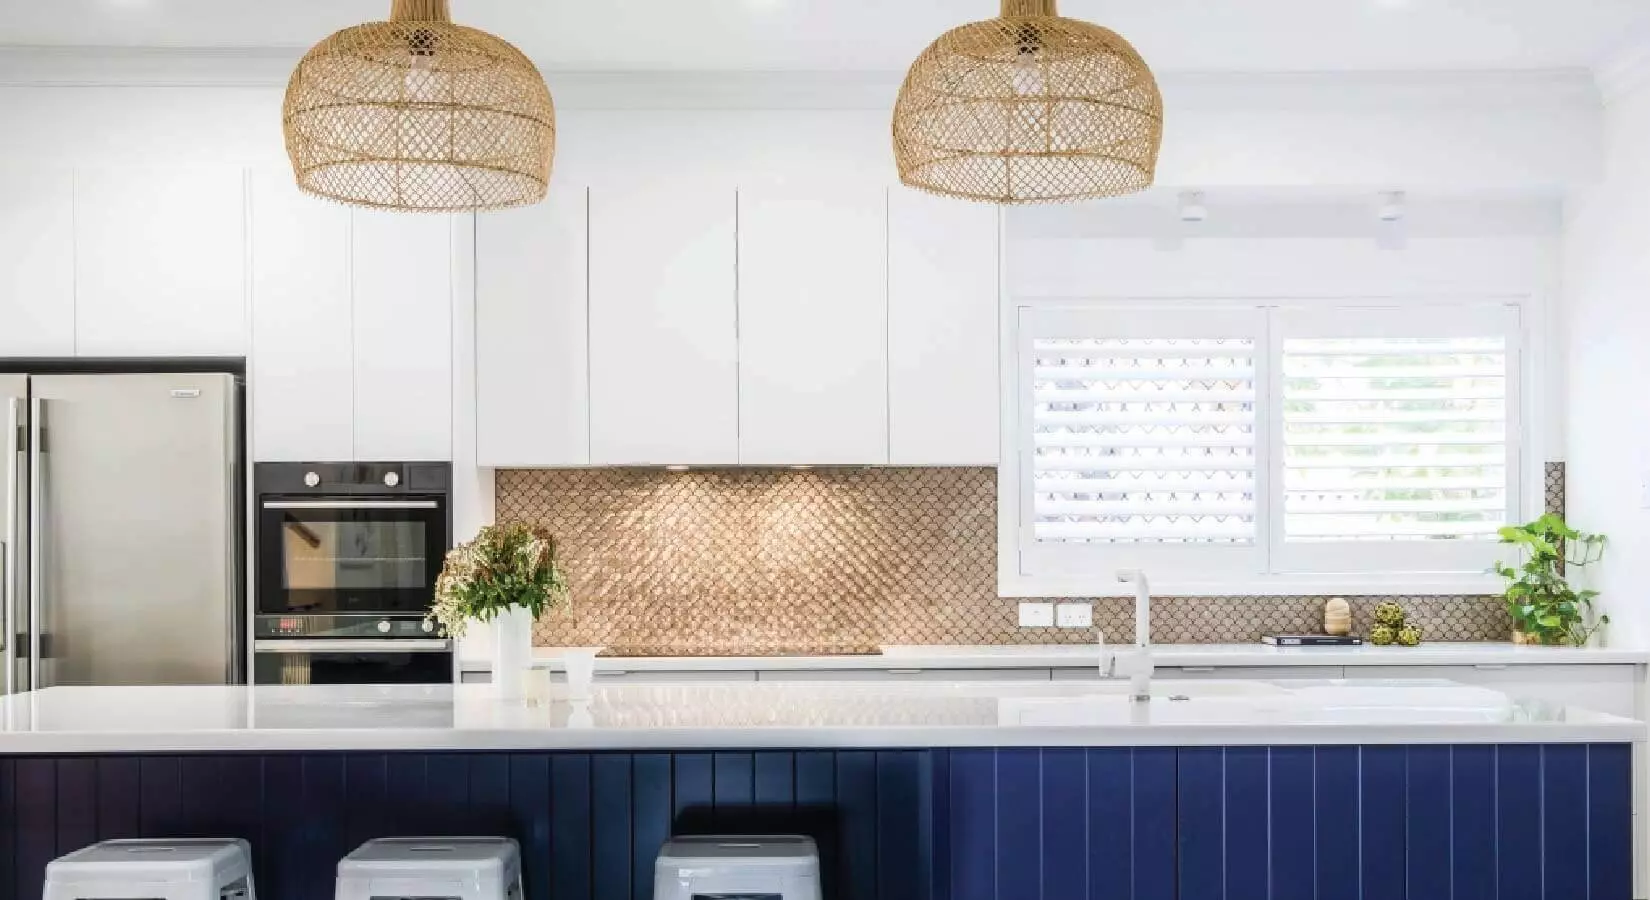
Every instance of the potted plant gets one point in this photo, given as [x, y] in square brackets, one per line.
[508, 577]
[1545, 608]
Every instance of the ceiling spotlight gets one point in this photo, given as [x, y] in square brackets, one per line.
[1393, 208]
[1192, 207]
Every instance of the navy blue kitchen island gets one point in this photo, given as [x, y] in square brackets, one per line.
[1426, 820]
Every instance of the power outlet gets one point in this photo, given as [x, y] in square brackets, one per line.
[1036, 615]
[1074, 615]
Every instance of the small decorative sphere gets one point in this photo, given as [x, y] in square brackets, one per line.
[1410, 635]
[1389, 613]
[1383, 635]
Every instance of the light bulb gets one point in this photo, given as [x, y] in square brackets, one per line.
[418, 84]
[1028, 72]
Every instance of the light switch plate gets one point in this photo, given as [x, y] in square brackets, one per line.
[1036, 615]
[1074, 615]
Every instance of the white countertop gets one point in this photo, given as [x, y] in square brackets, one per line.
[67, 720]
[1056, 656]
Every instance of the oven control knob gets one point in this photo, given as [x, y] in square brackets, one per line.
[428, 626]
[311, 479]
[384, 627]
[391, 479]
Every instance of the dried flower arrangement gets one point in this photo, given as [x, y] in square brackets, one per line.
[505, 566]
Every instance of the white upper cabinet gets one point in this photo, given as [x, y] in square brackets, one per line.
[160, 262]
[943, 264]
[403, 289]
[813, 324]
[37, 264]
[532, 332]
[301, 370]
[663, 325]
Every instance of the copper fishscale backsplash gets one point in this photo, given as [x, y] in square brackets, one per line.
[767, 562]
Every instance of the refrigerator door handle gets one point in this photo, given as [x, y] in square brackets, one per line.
[37, 537]
[10, 572]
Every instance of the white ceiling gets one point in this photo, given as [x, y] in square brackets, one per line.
[884, 35]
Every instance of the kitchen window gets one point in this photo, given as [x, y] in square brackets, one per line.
[1261, 448]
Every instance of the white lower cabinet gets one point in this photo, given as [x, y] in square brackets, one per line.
[1602, 688]
[685, 677]
[898, 674]
[1189, 673]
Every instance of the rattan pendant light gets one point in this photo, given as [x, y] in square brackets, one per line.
[1029, 107]
[420, 114]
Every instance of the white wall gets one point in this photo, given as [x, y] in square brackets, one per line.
[1606, 314]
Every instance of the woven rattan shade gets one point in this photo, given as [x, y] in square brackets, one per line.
[1029, 107]
[420, 114]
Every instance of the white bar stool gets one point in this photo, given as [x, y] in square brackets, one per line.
[464, 868]
[781, 868]
[213, 869]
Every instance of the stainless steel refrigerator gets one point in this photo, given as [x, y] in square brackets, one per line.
[121, 513]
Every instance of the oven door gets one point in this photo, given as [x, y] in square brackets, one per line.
[352, 661]
[349, 556]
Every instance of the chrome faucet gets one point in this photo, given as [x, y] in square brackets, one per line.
[1137, 664]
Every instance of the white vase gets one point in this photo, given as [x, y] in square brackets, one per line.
[512, 652]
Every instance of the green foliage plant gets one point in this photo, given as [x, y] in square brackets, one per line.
[1543, 604]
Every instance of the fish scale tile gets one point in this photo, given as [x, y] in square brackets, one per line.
[779, 561]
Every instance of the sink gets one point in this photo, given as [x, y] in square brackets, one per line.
[1189, 689]
[1254, 702]
[1107, 702]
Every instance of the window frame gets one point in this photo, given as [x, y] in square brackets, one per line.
[1041, 574]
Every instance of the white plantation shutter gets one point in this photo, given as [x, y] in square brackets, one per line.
[1397, 438]
[1140, 440]
[1263, 447]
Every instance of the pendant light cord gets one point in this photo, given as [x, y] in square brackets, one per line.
[1028, 8]
[420, 11]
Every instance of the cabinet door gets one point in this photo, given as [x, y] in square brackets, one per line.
[532, 333]
[37, 265]
[301, 389]
[657, 677]
[403, 335]
[813, 325]
[896, 674]
[1218, 673]
[663, 326]
[160, 262]
[942, 331]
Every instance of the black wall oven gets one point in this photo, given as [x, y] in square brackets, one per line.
[347, 559]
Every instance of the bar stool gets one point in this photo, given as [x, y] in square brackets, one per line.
[213, 869]
[781, 868]
[463, 868]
